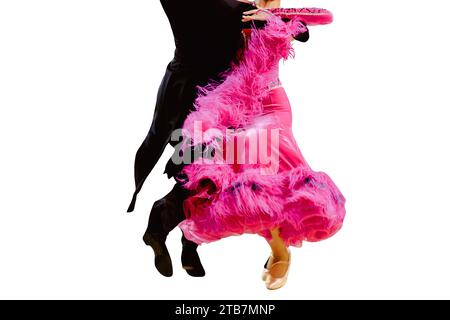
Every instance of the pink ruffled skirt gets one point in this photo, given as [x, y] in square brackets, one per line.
[233, 199]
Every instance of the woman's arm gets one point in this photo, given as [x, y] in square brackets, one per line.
[260, 16]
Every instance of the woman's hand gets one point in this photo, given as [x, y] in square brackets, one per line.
[256, 14]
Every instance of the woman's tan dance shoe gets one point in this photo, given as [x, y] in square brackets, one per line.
[274, 283]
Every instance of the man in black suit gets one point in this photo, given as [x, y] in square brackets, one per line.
[207, 36]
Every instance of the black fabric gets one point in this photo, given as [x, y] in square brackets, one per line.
[206, 32]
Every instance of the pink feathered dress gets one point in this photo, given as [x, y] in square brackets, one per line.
[255, 196]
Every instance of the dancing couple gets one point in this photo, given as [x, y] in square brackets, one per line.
[222, 89]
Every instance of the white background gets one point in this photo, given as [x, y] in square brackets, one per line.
[78, 81]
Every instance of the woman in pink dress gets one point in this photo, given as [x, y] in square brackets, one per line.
[252, 177]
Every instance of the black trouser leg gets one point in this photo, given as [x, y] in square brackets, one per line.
[176, 95]
[155, 142]
[167, 212]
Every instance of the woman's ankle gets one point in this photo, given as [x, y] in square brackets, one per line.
[280, 254]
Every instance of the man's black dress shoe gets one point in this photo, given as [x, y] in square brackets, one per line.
[190, 259]
[163, 263]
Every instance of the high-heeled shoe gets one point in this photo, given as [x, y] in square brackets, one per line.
[274, 283]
